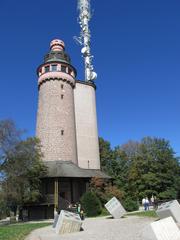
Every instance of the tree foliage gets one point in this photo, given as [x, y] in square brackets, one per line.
[21, 166]
[130, 204]
[91, 204]
[106, 153]
[9, 137]
[144, 168]
[104, 190]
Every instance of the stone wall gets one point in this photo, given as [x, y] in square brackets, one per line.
[56, 118]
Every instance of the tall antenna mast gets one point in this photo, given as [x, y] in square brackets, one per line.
[84, 8]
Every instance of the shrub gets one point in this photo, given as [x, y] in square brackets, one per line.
[113, 191]
[91, 204]
[104, 190]
[97, 185]
[130, 204]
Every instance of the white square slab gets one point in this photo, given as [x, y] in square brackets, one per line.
[55, 219]
[115, 208]
[68, 222]
[166, 229]
[168, 209]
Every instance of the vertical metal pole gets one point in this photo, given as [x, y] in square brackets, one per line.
[71, 186]
[56, 195]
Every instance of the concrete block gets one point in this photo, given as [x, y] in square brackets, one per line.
[68, 222]
[56, 216]
[166, 229]
[115, 208]
[5, 221]
[168, 209]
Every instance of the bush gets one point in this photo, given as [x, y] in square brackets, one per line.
[130, 204]
[168, 194]
[91, 204]
[97, 185]
[104, 190]
[113, 191]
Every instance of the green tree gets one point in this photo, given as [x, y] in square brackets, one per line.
[9, 137]
[120, 167]
[143, 168]
[21, 167]
[106, 154]
[91, 204]
[104, 190]
[154, 170]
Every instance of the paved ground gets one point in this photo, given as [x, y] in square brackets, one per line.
[130, 228]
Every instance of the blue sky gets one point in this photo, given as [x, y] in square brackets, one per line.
[136, 48]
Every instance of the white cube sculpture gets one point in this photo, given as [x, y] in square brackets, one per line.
[56, 216]
[166, 229]
[168, 209]
[68, 222]
[115, 208]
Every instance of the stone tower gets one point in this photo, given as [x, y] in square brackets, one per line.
[56, 115]
[67, 129]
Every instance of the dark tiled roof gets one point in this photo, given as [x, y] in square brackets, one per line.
[69, 169]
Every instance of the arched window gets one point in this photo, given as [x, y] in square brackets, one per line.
[54, 68]
[69, 71]
[46, 69]
[63, 68]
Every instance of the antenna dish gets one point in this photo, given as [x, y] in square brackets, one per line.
[84, 50]
[93, 76]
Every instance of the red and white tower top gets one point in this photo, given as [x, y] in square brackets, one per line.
[57, 45]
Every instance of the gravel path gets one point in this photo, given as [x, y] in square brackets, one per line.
[130, 228]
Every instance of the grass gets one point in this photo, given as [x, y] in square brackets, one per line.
[18, 231]
[150, 213]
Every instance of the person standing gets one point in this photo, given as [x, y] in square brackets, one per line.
[79, 208]
[152, 201]
[143, 203]
[146, 204]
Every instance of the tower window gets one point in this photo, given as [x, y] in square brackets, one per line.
[62, 86]
[62, 132]
[47, 69]
[63, 68]
[69, 71]
[40, 72]
[62, 96]
[54, 68]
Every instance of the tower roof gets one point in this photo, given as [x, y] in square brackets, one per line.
[57, 55]
[57, 45]
[69, 169]
[57, 52]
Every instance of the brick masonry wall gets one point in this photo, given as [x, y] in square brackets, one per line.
[54, 115]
